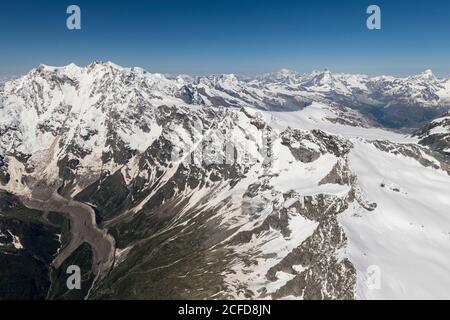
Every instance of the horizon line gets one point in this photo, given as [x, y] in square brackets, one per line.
[13, 76]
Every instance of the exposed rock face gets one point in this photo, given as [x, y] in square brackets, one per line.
[428, 157]
[309, 146]
[436, 136]
[323, 274]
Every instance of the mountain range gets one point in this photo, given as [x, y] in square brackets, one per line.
[284, 186]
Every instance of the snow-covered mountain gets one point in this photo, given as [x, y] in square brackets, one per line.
[392, 102]
[424, 89]
[283, 186]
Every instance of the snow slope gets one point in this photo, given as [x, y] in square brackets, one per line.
[408, 235]
[318, 115]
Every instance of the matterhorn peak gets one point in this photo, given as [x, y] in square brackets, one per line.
[322, 76]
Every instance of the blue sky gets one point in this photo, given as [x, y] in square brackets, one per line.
[218, 36]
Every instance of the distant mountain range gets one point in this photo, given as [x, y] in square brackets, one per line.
[382, 98]
[285, 186]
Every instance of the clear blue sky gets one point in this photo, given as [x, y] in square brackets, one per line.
[229, 36]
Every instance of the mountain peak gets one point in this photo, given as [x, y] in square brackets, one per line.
[286, 72]
[323, 75]
[428, 75]
[107, 64]
[325, 71]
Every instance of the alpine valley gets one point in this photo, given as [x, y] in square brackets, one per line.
[283, 186]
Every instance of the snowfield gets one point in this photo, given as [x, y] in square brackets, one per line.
[408, 233]
[315, 116]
